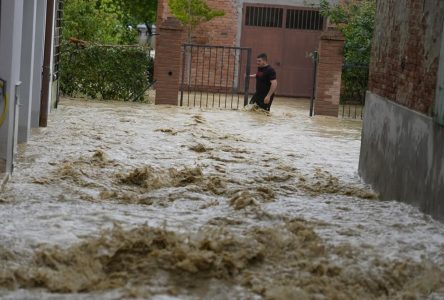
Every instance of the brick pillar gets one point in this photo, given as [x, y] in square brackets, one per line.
[328, 80]
[160, 12]
[167, 65]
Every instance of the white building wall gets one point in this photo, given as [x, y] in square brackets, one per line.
[27, 69]
[10, 54]
[38, 61]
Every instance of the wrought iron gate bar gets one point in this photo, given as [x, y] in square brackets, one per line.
[214, 76]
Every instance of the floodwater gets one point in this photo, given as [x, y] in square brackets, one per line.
[121, 200]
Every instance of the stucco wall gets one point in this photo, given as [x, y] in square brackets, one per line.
[402, 155]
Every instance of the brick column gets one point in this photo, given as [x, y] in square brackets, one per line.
[328, 80]
[160, 12]
[167, 65]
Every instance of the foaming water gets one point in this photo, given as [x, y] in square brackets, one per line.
[127, 200]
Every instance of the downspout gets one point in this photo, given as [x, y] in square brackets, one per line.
[46, 74]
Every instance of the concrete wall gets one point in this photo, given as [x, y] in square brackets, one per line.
[405, 53]
[402, 155]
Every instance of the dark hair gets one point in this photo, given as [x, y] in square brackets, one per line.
[263, 56]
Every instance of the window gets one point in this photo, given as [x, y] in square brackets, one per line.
[264, 16]
[304, 19]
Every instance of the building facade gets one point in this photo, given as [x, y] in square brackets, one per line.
[287, 30]
[27, 52]
[402, 152]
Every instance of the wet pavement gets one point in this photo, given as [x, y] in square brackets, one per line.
[117, 200]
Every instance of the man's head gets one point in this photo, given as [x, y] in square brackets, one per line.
[262, 60]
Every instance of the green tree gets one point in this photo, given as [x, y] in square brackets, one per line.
[85, 21]
[355, 19]
[131, 12]
[139, 11]
[192, 13]
[107, 21]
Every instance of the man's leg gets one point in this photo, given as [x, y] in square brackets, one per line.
[260, 101]
[253, 99]
[268, 106]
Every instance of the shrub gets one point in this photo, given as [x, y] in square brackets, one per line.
[105, 72]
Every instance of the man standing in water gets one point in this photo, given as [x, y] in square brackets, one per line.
[266, 83]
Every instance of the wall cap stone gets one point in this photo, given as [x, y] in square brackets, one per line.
[332, 35]
[171, 24]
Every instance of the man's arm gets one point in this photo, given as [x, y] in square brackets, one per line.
[273, 88]
[253, 75]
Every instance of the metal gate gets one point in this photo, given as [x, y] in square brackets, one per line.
[215, 76]
[354, 87]
[56, 52]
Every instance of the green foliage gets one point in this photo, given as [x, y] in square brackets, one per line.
[85, 21]
[107, 21]
[130, 12]
[138, 11]
[355, 19]
[193, 12]
[111, 72]
[120, 73]
[354, 84]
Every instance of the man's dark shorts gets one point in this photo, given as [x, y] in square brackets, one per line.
[259, 101]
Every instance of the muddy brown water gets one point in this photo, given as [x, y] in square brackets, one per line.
[118, 200]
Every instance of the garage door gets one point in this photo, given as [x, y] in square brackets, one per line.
[287, 35]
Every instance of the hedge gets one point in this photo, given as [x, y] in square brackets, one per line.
[105, 72]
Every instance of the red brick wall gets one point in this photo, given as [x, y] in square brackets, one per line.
[405, 52]
[221, 31]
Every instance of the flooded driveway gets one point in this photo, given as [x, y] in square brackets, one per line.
[121, 200]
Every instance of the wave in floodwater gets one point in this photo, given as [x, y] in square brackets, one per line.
[117, 200]
[284, 262]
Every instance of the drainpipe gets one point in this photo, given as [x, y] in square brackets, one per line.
[46, 74]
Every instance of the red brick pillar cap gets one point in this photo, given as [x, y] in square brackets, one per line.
[332, 35]
[171, 24]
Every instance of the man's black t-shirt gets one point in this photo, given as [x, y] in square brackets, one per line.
[264, 76]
